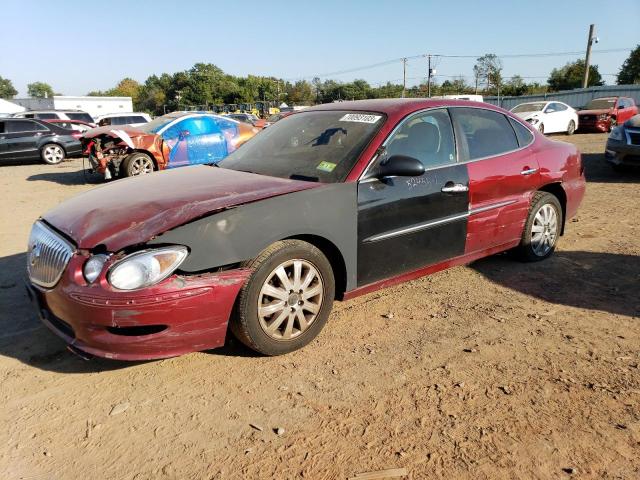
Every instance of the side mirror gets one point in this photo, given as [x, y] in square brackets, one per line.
[400, 166]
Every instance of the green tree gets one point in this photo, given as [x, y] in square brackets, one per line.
[630, 70]
[515, 87]
[40, 90]
[488, 72]
[7, 89]
[571, 76]
[455, 86]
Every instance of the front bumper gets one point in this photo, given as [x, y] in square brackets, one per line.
[621, 153]
[179, 315]
[594, 126]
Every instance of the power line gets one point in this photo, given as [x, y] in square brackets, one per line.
[414, 57]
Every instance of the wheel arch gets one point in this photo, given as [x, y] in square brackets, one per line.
[333, 254]
[146, 152]
[557, 190]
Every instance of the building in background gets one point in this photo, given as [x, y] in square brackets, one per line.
[94, 106]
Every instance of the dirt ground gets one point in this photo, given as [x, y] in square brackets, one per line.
[496, 370]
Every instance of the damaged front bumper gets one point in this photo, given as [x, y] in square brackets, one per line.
[181, 314]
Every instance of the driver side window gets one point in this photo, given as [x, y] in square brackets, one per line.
[427, 137]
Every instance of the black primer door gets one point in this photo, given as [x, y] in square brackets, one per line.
[405, 223]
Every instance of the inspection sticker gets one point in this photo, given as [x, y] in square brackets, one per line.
[326, 166]
[360, 117]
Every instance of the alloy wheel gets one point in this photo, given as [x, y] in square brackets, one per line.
[544, 230]
[290, 299]
[141, 165]
[53, 154]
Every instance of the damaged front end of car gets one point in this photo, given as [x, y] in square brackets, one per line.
[111, 150]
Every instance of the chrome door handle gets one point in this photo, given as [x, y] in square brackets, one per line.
[451, 187]
[529, 171]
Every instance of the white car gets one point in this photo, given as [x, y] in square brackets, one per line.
[548, 117]
[132, 119]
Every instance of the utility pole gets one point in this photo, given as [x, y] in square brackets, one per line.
[429, 73]
[587, 60]
[404, 76]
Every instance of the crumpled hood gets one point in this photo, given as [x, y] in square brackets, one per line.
[597, 111]
[132, 211]
[527, 115]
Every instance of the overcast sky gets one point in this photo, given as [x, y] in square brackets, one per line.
[78, 46]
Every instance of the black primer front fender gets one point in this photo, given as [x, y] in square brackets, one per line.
[241, 233]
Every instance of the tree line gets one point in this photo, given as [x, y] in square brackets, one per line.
[206, 85]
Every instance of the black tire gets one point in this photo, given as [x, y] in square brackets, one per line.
[137, 163]
[541, 128]
[245, 323]
[571, 128]
[527, 251]
[52, 153]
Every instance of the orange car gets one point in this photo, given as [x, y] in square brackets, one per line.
[173, 140]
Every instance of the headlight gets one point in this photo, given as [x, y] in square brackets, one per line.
[533, 120]
[93, 267]
[616, 134]
[142, 269]
[603, 116]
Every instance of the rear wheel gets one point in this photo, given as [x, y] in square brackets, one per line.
[52, 153]
[138, 163]
[571, 128]
[286, 300]
[542, 229]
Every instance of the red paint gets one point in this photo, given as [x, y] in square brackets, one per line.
[196, 310]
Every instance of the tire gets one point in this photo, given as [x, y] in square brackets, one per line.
[541, 128]
[571, 128]
[277, 327]
[52, 153]
[136, 164]
[545, 214]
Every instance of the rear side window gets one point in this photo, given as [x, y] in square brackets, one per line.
[484, 132]
[524, 135]
[82, 116]
[26, 126]
[137, 119]
[2, 127]
[47, 116]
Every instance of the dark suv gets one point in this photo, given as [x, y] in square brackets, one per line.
[30, 139]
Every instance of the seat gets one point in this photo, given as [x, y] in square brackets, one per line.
[422, 142]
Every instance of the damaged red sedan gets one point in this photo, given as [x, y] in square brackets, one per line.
[330, 203]
[173, 140]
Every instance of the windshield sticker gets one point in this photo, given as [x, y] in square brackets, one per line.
[326, 166]
[360, 117]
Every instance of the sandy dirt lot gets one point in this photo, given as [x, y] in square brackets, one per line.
[496, 370]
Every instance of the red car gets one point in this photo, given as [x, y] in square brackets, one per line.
[602, 114]
[333, 202]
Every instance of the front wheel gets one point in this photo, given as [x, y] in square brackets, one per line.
[542, 228]
[287, 299]
[541, 128]
[571, 128]
[138, 163]
[52, 153]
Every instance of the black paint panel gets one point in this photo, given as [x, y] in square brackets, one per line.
[241, 233]
[392, 204]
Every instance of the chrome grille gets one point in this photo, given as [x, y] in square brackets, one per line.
[47, 256]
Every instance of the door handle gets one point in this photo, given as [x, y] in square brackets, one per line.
[528, 171]
[451, 187]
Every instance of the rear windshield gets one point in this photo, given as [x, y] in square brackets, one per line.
[82, 116]
[601, 103]
[317, 146]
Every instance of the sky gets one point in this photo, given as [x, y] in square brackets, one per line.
[79, 46]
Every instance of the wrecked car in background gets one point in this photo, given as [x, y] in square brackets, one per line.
[173, 140]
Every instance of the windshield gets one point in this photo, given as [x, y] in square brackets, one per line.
[601, 104]
[529, 107]
[82, 116]
[317, 146]
[155, 125]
